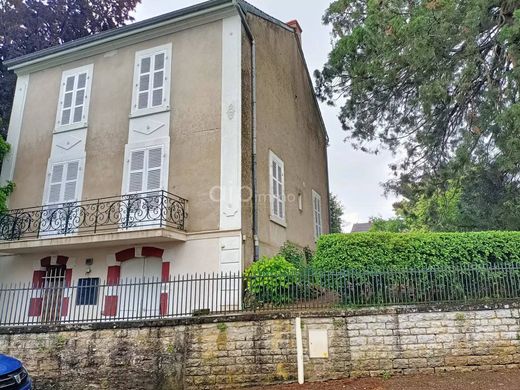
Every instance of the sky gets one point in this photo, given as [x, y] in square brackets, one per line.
[355, 177]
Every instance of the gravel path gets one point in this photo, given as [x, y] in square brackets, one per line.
[501, 380]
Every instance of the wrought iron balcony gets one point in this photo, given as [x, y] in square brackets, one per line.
[158, 209]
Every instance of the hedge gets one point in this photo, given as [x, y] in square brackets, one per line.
[384, 251]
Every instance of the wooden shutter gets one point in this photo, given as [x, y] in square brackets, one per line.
[63, 183]
[56, 183]
[154, 169]
[71, 182]
[136, 171]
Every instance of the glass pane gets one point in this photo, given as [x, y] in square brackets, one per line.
[158, 79]
[280, 192]
[78, 114]
[145, 65]
[67, 100]
[275, 206]
[69, 84]
[82, 80]
[275, 188]
[274, 169]
[65, 117]
[143, 100]
[281, 209]
[157, 97]
[159, 61]
[279, 173]
[80, 96]
[144, 82]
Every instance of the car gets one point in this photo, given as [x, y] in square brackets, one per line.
[13, 375]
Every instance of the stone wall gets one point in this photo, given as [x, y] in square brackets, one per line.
[246, 350]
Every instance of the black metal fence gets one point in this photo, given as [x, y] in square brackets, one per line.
[152, 209]
[92, 301]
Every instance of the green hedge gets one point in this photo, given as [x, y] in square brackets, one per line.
[383, 251]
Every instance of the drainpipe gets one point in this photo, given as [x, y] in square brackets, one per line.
[251, 37]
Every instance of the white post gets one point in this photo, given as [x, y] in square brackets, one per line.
[299, 350]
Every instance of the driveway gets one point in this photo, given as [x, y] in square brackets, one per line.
[501, 380]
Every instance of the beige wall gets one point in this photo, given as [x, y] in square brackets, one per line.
[195, 123]
[289, 125]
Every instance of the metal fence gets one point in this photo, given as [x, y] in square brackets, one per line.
[92, 301]
[126, 212]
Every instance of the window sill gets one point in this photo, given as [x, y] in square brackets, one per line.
[76, 126]
[278, 221]
[151, 111]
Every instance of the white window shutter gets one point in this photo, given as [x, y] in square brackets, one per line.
[56, 182]
[154, 171]
[136, 171]
[71, 182]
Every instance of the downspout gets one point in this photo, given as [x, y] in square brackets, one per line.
[256, 253]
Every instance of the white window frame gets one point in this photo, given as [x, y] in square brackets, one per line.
[129, 148]
[275, 217]
[79, 187]
[165, 106]
[317, 215]
[89, 70]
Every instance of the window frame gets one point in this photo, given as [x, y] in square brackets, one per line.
[275, 217]
[318, 227]
[79, 181]
[89, 70]
[139, 55]
[88, 288]
[129, 148]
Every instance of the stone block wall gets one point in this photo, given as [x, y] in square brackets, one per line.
[247, 350]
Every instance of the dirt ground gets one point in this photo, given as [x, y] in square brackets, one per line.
[502, 380]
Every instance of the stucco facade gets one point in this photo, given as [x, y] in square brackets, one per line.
[202, 132]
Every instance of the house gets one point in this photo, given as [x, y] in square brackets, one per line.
[361, 227]
[188, 143]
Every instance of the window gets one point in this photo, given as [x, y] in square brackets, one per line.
[145, 170]
[74, 98]
[316, 205]
[63, 182]
[151, 80]
[277, 189]
[88, 289]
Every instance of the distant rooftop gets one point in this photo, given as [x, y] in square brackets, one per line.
[361, 227]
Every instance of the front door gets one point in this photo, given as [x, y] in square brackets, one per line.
[54, 283]
[140, 288]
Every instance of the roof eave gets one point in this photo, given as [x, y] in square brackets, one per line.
[115, 34]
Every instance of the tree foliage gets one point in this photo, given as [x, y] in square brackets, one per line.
[30, 25]
[437, 82]
[336, 214]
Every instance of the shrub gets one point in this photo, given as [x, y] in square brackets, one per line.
[300, 258]
[269, 280]
[383, 251]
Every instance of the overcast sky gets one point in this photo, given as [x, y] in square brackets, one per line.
[355, 177]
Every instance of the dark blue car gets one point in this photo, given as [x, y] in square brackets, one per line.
[13, 375]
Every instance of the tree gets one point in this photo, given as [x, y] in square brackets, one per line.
[394, 225]
[435, 81]
[30, 25]
[336, 212]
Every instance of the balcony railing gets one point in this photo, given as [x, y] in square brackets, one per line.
[127, 212]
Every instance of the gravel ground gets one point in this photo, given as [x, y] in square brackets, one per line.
[502, 380]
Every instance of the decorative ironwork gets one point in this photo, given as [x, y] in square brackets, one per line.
[127, 212]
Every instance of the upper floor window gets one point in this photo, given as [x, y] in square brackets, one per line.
[74, 98]
[316, 205]
[63, 182]
[152, 80]
[277, 188]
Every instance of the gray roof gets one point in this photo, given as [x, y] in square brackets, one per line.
[361, 227]
[246, 7]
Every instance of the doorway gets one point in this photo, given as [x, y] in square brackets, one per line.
[54, 284]
[140, 288]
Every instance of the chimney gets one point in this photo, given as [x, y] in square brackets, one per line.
[296, 27]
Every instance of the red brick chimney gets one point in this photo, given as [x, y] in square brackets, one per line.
[296, 27]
